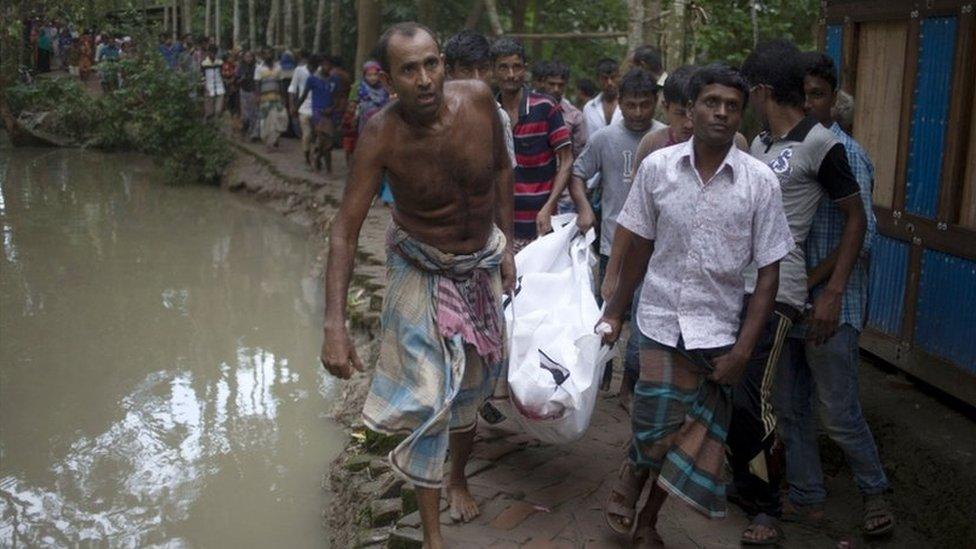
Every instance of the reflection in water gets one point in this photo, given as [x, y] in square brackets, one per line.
[158, 378]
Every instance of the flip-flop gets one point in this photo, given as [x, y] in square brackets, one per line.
[876, 507]
[762, 519]
[629, 494]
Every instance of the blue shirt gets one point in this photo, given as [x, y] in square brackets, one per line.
[171, 53]
[828, 225]
[321, 90]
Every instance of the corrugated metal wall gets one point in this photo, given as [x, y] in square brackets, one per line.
[936, 52]
[834, 46]
[889, 268]
[945, 324]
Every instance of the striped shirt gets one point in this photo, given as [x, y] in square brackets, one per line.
[539, 132]
[828, 225]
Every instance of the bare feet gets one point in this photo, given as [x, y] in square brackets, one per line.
[463, 506]
[436, 542]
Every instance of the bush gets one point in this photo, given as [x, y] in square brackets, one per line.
[153, 113]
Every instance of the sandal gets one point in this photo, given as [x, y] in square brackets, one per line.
[877, 507]
[647, 536]
[619, 509]
[764, 520]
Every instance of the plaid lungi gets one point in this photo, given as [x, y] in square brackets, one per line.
[441, 349]
[680, 421]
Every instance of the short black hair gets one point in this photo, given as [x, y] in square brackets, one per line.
[558, 68]
[505, 46]
[676, 85]
[820, 65]
[638, 82]
[717, 73]
[607, 66]
[777, 64]
[466, 48]
[649, 57]
[540, 69]
[587, 86]
[408, 29]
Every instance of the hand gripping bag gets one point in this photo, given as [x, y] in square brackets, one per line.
[556, 360]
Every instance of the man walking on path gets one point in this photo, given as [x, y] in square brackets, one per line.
[809, 163]
[296, 88]
[610, 157]
[698, 214]
[449, 258]
[542, 142]
[828, 372]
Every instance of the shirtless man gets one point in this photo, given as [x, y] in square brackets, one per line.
[448, 259]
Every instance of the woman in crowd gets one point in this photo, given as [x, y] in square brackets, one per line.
[274, 118]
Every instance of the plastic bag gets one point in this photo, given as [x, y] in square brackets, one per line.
[556, 360]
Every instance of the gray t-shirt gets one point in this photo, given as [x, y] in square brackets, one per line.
[610, 153]
[809, 162]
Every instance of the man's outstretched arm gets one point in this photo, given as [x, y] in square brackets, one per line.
[338, 354]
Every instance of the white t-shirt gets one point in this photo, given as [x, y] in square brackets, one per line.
[297, 88]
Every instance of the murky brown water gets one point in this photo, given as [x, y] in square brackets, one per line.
[158, 373]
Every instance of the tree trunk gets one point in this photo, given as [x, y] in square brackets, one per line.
[335, 28]
[207, 20]
[252, 26]
[493, 20]
[176, 20]
[269, 30]
[187, 16]
[289, 25]
[474, 16]
[635, 33]
[217, 25]
[535, 49]
[301, 24]
[675, 39]
[518, 15]
[236, 38]
[754, 16]
[652, 22]
[319, 23]
[367, 29]
[165, 18]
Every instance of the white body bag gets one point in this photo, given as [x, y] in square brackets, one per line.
[556, 359]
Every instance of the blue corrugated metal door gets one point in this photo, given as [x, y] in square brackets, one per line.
[936, 51]
[945, 324]
[835, 46]
[886, 293]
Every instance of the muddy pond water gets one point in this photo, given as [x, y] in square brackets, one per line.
[159, 382]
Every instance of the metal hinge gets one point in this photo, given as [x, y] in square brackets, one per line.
[968, 8]
[896, 214]
[914, 14]
[942, 226]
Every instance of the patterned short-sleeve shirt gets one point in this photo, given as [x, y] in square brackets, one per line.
[705, 234]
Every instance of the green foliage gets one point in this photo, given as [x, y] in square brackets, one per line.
[726, 32]
[153, 113]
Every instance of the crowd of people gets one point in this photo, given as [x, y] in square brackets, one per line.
[741, 266]
[55, 46]
[273, 92]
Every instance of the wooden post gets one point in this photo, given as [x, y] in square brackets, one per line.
[959, 117]
[907, 100]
